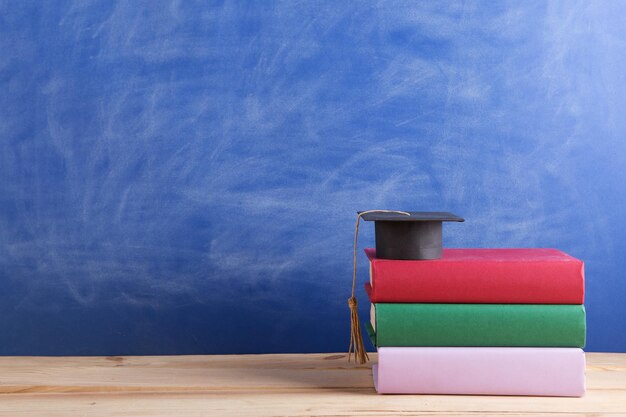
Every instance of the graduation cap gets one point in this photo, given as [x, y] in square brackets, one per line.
[399, 235]
[409, 234]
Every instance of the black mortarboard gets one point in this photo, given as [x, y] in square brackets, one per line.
[409, 235]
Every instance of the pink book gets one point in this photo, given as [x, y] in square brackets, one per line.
[480, 371]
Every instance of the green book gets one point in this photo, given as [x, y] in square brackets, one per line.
[546, 325]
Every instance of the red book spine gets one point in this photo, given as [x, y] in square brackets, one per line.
[499, 276]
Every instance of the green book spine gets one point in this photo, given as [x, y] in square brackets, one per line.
[543, 325]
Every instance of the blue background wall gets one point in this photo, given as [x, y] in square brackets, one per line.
[182, 177]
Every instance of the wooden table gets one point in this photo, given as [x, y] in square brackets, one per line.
[263, 385]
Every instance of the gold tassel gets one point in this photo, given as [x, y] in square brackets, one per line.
[356, 337]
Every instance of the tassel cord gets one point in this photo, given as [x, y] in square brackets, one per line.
[356, 337]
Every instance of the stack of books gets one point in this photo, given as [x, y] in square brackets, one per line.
[479, 321]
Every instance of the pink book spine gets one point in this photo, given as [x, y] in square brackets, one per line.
[480, 370]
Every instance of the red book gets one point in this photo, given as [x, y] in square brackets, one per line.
[499, 276]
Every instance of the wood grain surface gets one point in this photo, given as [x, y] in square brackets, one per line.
[264, 385]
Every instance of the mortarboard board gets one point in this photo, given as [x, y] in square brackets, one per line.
[409, 235]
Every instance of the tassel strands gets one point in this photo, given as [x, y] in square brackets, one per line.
[356, 337]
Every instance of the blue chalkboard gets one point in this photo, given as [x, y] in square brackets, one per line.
[182, 177]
